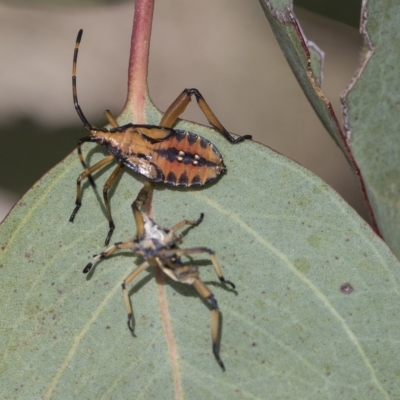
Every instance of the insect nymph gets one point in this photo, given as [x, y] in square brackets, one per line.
[160, 248]
[156, 153]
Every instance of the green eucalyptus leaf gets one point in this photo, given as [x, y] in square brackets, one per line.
[371, 115]
[314, 315]
[371, 139]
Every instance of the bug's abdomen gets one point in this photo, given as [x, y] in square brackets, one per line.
[180, 159]
[187, 160]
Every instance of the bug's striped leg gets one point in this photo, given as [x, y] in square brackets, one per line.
[79, 147]
[181, 224]
[130, 278]
[81, 177]
[213, 120]
[90, 177]
[206, 293]
[218, 270]
[128, 244]
[199, 250]
[179, 105]
[110, 181]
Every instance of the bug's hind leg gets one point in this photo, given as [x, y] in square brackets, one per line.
[110, 181]
[81, 177]
[179, 105]
[206, 293]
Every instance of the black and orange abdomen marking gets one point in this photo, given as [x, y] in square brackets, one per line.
[188, 160]
[180, 159]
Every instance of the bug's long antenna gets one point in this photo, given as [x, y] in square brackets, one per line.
[88, 126]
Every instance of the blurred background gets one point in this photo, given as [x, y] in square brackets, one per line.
[224, 48]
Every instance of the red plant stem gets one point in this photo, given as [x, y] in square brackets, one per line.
[139, 60]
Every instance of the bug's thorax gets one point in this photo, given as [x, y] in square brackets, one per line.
[155, 241]
[117, 140]
[153, 231]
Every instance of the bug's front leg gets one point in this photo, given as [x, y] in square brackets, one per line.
[128, 244]
[81, 177]
[80, 155]
[110, 181]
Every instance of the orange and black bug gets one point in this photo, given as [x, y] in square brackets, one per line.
[160, 248]
[156, 153]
